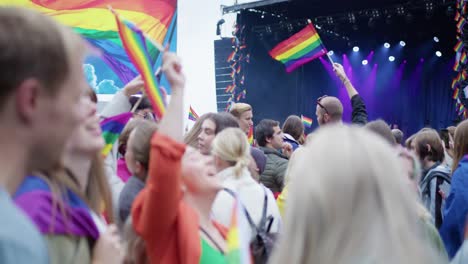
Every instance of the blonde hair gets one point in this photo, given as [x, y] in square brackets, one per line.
[231, 145]
[348, 208]
[239, 108]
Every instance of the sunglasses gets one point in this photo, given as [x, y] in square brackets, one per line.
[321, 105]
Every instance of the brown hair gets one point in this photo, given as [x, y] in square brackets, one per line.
[191, 138]
[265, 130]
[134, 245]
[294, 127]
[429, 137]
[142, 142]
[123, 138]
[460, 143]
[239, 108]
[28, 40]
[382, 129]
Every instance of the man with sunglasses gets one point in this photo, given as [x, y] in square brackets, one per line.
[329, 108]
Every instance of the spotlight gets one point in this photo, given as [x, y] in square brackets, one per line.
[400, 10]
[404, 62]
[351, 18]
[438, 54]
[436, 39]
[330, 53]
[402, 43]
[330, 21]
[391, 58]
[365, 62]
[218, 26]
[386, 45]
[355, 48]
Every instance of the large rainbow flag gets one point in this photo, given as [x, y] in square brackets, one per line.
[92, 19]
[238, 251]
[299, 49]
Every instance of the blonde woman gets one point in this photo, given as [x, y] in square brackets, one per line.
[231, 151]
[243, 113]
[348, 208]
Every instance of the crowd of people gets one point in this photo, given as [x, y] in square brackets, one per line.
[346, 193]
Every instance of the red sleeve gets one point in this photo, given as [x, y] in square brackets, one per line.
[155, 209]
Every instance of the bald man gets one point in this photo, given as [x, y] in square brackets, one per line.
[329, 108]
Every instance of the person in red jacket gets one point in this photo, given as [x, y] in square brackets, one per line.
[172, 213]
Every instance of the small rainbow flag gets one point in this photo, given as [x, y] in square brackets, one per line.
[111, 129]
[192, 115]
[250, 136]
[134, 42]
[230, 88]
[461, 109]
[457, 16]
[454, 83]
[463, 58]
[237, 243]
[306, 121]
[457, 66]
[461, 23]
[456, 93]
[231, 56]
[299, 49]
[458, 47]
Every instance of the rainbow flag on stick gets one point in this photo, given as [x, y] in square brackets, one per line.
[461, 24]
[237, 242]
[454, 83]
[458, 47]
[299, 49]
[306, 121]
[192, 115]
[456, 93]
[457, 66]
[463, 58]
[134, 42]
[111, 129]
[250, 136]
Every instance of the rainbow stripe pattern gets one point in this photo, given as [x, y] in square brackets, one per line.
[237, 243]
[134, 42]
[250, 136]
[299, 49]
[192, 115]
[92, 19]
[111, 129]
[306, 121]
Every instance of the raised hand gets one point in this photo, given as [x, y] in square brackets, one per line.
[134, 86]
[339, 71]
[172, 68]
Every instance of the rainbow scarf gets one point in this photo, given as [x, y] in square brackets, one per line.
[237, 242]
[96, 24]
[250, 136]
[134, 42]
[306, 121]
[35, 198]
[111, 129]
[299, 49]
[192, 115]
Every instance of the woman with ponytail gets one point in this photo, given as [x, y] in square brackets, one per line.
[231, 151]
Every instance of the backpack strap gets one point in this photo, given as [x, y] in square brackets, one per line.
[249, 218]
[427, 181]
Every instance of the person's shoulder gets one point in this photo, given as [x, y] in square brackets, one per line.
[21, 239]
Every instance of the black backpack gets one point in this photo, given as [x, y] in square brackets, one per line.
[426, 195]
[263, 243]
